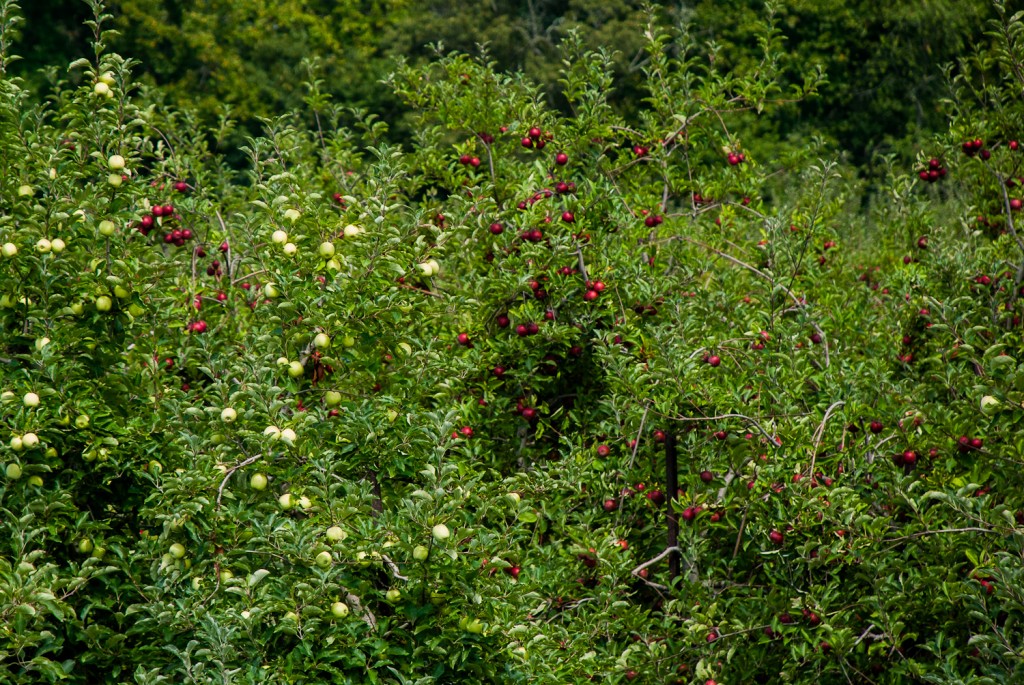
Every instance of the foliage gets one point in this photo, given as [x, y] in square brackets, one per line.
[367, 413]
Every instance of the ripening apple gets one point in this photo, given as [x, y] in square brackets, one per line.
[296, 369]
[107, 227]
[324, 560]
[258, 481]
[332, 398]
[326, 249]
[41, 343]
[336, 534]
[286, 501]
[441, 532]
[104, 303]
[13, 471]
[228, 415]
[339, 610]
[30, 441]
[420, 553]
[30, 400]
[322, 341]
[9, 250]
[177, 550]
[115, 162]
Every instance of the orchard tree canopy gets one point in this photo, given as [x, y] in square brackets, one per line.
[578, 372]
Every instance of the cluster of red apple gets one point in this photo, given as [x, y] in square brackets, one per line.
[934, 172]
[177, 236]
[535, 138]
[736, 158]
[973, 147]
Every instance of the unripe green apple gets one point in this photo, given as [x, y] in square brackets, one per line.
[286, 501]
[290, 616]
[85, 545]
[115, 180]
[435, 268]
[441, 532]
[288, 436]
[426, 268]
[989, 405]
[120, 292]
[102, 89]
[322, 341]
[226, 575]
[30, 441]
[82, 421]
[13, 471]
[177, 550]
[258, 481]
[104, 303]
[9, 250]
[77, 308]
[332, 398]
[339, 610]
[36, 481]
[296, 369]
[271, 291]
[326, 249]
[115, 162]
[323, 560]
[292, 215]
[351, 231]
[290, 249]
[393, 595]
[30, 400]
[336, 534]
[43, 246]
[41, 343]
[228, 415]
[513, 497]
[272, 432]
[420, 553]
[196, 582]
[57, 245]
[474, 626]
[107, 77]
[279, 237]
[107, 227]
[348, 341]
[26, 191]
[334, 265]
[305, 503]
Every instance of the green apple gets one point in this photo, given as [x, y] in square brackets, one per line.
[36, 481]
[120, 292]
[104, 303]
[279, 237]
[107, 77]
[305, 503]
[426, 268]
[26, 191]
[441, 532]
[332, 398]
[326, 249]
[100, 551]
[272, 432]
[115, 162]
[292, 215]
[30, 400]
[258, 481]
[513, 497]
[103, 90]
[226, 575]
[286, 501]
[177, 550]
[30, 441]
[336, 534]
[290, 249]
[41, 343]
[43, 246]
[270, 291]
[296, 369]
[228, 415]
[155, 466]
[13, 471]
[351, 231]
[9, 250]
[82, 421]
[323, 560]
[115, 180]
[393, 595]
[339, 610]
[196, 582]
[333, 265]
[435, 268]
[474, 626]
[107, 227]
[989, 405]
[290, 616]
[420, 553]
[288, 436]
[348, 341]
[322, 341]
[58, 245]
[77, 308]
[85, 545]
